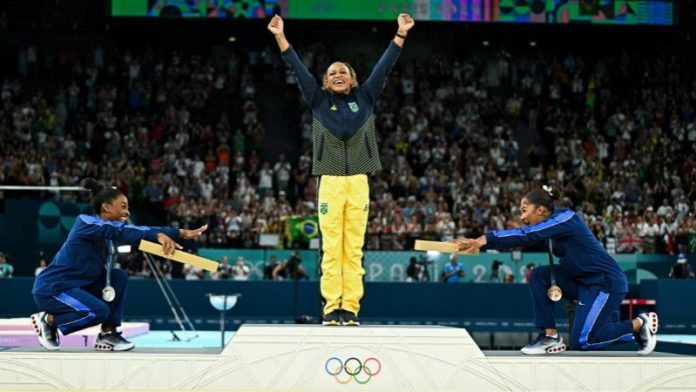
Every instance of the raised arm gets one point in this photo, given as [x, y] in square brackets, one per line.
[307, 83]
[276, 26]
[405, 24]
[378, 78]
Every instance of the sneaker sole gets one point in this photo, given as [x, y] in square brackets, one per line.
[42, 341]
[654, 322]
[330, 323]
[551, 350]
[351, 323]
[108, 347]
[103, 347]
[556, 349]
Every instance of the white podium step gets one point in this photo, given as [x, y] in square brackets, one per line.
[315, 358]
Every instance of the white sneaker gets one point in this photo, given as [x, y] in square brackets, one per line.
[646, 336]
[48, 334]
[112, 341]
[544, 344]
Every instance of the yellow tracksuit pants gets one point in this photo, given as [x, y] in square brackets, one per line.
[343, 207]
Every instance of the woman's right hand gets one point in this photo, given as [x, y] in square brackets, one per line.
[276, 25]
[169, 246]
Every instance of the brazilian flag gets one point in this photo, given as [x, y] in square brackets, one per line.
[302, 229]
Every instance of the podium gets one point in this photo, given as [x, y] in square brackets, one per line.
[319, 358]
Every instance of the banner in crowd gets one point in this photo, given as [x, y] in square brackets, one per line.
[302, 229]
[604, 12]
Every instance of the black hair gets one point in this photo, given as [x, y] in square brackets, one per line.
[100, 193]
[541, 197]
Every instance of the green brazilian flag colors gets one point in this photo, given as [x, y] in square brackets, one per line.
[302, 229]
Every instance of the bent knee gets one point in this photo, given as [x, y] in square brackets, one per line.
[100, 313]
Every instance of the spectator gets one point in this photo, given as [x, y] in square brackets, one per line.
[282, 170]
[495, 271]
[528, 272]
[224, 269]
[191, 272]
[416, 271]
[6, 268]
[454, 271]
[42, 266]
[681, 269]
[290, 269]
[240, 271]
[268, 270]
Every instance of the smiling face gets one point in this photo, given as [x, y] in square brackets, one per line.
[117, 210]
[531, 214]
[339, 78]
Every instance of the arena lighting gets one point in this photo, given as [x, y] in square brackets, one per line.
[124, 249]
[532, 43]
[232, 39]
[485, 43]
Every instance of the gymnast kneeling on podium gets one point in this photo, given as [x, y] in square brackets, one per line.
[586, 273]
[79, 288]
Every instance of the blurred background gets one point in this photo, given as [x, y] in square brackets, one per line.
[187, 107]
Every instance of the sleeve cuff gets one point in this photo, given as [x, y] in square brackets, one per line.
[152, 233]
[490, 241]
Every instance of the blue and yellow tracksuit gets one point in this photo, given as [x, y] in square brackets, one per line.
[70, 287]
[344, 152]
[586, 273]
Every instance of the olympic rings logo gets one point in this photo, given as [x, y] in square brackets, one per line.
[353, 368]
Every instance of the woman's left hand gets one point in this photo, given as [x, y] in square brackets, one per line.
[405, 22]
[191, 234]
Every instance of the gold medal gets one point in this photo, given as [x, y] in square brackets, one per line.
[555, 294]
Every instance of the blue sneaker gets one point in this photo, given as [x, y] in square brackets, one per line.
[544, 344]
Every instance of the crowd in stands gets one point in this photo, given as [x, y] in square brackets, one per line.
[462, 138]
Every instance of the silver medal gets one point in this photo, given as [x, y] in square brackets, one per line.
[108, 293]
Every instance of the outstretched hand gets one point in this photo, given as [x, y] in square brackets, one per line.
[191, 234]
[276, 25]
[405, 22]
[469, 244]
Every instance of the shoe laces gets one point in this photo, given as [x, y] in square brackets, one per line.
[52, 329]
[540, 337]
[115, 335]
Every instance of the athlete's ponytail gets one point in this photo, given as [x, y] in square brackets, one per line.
[542, 197]
[100, 194]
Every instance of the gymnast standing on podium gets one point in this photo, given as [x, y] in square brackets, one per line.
[79, 288]
[345, 151]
